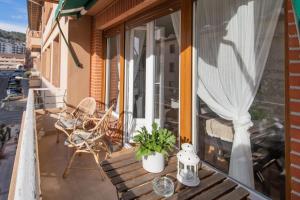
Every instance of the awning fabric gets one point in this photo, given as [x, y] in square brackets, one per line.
[73, 7]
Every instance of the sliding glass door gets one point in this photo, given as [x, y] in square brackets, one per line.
[136, 78]
[152, 74]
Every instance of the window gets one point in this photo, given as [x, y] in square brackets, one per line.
[113, 73]
[171, 67]
[172, 48]
[148, 56]
[239, 90]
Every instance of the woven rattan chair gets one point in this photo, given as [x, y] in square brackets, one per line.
[67, 121]
[90, 141]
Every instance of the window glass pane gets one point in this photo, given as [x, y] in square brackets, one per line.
[138, 49]
[113, 73]
[220, 30]
[166, 91]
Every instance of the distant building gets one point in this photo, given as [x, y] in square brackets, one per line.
[12, 48]
[11, 61]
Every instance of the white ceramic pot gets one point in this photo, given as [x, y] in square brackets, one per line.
[154, 163]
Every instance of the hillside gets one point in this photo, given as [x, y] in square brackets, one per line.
[12, 36]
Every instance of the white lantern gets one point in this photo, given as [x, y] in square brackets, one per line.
[188, 165]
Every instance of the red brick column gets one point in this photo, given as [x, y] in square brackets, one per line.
[292, 106]
[97, 66]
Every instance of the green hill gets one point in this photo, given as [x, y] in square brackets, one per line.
[12, 36]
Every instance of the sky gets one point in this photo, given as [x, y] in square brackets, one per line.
[13, 15]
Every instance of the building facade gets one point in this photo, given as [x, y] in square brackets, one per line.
[157, 61]
[11, 61]
[12, 48]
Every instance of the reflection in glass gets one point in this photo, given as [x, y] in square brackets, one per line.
[166, 85]
[113, 72]
[139, 71]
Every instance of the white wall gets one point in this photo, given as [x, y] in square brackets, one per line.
[50, 33]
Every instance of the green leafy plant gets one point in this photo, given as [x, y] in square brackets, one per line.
[160, 140]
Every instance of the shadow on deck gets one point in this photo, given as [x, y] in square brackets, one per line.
[83, 181]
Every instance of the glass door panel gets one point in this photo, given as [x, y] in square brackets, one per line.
[113, 72]
[136, 78]
[166, 85]
[152, 75]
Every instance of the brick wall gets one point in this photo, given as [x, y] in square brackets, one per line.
[97, 84]
[293, 106]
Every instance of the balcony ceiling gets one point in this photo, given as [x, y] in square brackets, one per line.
[99, 6]
[34, 9]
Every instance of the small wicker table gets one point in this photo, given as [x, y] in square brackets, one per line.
[133, 182]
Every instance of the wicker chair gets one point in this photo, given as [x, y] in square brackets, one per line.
[90, 141]
[67, 121]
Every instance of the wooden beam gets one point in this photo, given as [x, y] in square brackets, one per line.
[185, 112]
[122, 77]
[120, 11]
[103, 77]
[288, 182]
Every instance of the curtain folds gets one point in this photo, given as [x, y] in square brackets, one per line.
[232, 42]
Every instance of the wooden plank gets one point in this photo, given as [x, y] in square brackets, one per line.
[204, 185]
[120, 164]
[122, 170]
[186, 71]
[217, 190]
[129, 168]
[239, 193]
[143, 179]
[153, 196]
[128, 176]
[136, 173]
[146, 190]
[203, 173]
[138, 191]
[119, 158]
[287, 106]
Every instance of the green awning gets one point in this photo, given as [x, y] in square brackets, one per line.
[296, 5]
[73, 7]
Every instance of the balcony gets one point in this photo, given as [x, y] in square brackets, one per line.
[33, 39]
[40, 161]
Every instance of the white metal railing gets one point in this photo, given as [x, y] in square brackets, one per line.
[26, 171]
[27, 184]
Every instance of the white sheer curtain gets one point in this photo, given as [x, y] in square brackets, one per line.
[232, 42]
[176, 21]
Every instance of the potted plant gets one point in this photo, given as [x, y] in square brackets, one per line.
[154, 147]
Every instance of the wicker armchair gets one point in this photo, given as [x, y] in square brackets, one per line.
[67, 121]
[90, 141]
